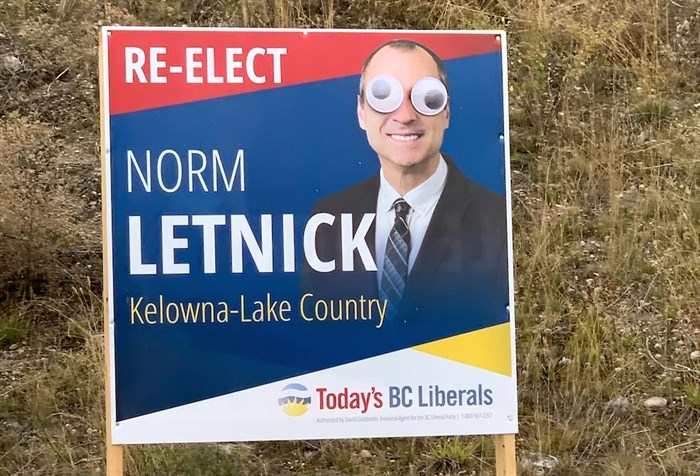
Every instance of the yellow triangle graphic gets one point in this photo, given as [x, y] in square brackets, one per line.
[487, 349]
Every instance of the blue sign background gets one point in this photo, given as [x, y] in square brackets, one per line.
[301, 143]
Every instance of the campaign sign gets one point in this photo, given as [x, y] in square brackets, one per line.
[307, 234]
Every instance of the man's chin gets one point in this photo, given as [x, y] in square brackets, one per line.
[409, 163]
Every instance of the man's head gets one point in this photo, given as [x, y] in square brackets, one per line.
[406, 140]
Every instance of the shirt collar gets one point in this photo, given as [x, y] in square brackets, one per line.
[421, 199]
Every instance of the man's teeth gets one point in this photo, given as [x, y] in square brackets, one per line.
[404, 137]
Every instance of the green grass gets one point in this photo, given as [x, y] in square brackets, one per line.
[10, 334]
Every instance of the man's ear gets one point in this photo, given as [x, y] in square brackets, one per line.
[360, 114]
[447, 116]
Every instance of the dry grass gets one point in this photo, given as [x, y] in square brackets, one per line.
[605, 120]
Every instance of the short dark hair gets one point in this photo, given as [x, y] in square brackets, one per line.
[403, 44]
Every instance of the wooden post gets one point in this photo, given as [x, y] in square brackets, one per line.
[114, 453]
[505, 455]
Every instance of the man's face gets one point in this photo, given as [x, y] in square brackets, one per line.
[404, 139]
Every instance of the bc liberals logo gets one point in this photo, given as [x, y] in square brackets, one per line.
[295, 399]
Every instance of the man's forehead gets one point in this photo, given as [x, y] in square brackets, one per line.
[390, 55]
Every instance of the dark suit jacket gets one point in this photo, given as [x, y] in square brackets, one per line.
[460, 273]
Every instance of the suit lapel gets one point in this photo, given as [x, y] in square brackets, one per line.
[442, 230]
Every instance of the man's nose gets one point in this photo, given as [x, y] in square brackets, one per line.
[405, 113]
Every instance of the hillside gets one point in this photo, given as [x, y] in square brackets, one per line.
[605, 133]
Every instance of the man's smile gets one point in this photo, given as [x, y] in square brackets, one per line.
[405, 137]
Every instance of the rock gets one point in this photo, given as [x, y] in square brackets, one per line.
[695, 355]
[539, 463]
[654, 403]
[240, 449]
[10, 63]
[15, 426]
[365, 454]
[228, 448]
[617, 405]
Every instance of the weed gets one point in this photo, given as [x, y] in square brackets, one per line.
[10, 334]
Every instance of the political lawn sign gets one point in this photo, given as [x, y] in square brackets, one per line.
[229, 155]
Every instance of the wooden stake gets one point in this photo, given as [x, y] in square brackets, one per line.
[505, 455]
[114, 453]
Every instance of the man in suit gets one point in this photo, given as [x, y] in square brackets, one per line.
[438, 239]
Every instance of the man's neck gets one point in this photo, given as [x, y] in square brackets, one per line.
[404, 179]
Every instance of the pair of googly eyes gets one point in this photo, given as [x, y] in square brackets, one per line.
[385, 94]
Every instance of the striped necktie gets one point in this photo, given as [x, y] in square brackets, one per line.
[398, 247]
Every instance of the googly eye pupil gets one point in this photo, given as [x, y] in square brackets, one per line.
[434, 99]
[429, 96]
[381, 89]
[384, 93]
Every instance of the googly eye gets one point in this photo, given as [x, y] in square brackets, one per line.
[429, 96]
[384, 93]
